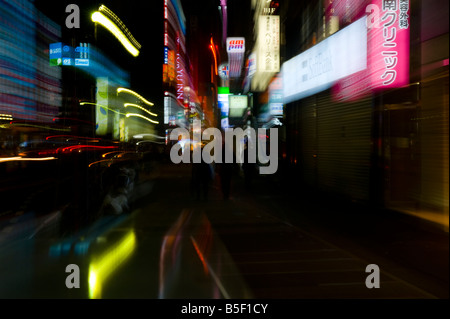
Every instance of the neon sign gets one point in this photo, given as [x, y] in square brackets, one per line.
[387, 51]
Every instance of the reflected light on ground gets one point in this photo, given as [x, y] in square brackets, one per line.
[103, 266]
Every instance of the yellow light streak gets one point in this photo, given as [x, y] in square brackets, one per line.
[104, 106]
[6, 117]
[140, 107]
[99, 17]
[32, 125]
[119, 90]
[19, 158]
[142, 116]
[120, 24]
[103, 266]
[107, 154]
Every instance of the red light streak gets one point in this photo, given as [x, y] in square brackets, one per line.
[212, 47]
[72, 136]
[75, 147]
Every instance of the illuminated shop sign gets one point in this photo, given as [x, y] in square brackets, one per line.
[166, 109]
[276, 97]
[179, 73]
[235, 50]
[387, 51]
[166, 55]
[251, 64]
[63, 54]
[82, 55]
[171, 65]
[223, 71]
[222, 102]
[237, 105]
[235, 45]
[269, 44]
[389, 43]
[336, 57]
[101, 112]
[345, 11]
[55, 53]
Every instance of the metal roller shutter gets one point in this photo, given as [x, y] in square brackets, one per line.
[308, 140]
[433, 123]
[344, 146]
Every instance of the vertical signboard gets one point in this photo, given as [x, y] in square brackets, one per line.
[166, 109]
[55, 53]
[171, 65]
[236, 51]
[388, 41]
[180, 72]
[276, 97]
[82, 55]
[222, 101]
[269, 44]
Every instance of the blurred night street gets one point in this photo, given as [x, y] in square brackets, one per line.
[215, 150]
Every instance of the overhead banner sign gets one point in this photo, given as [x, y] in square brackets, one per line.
[336, 57]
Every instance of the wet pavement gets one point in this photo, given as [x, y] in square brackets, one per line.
[265, 242]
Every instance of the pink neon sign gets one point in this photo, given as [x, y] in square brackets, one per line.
[387, 51]
[389, 44]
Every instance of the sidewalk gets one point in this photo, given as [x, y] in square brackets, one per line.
[293, 246]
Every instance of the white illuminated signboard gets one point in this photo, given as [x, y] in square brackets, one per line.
[237, 105]
[269, 44]
[166, 109]
[336, 57]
